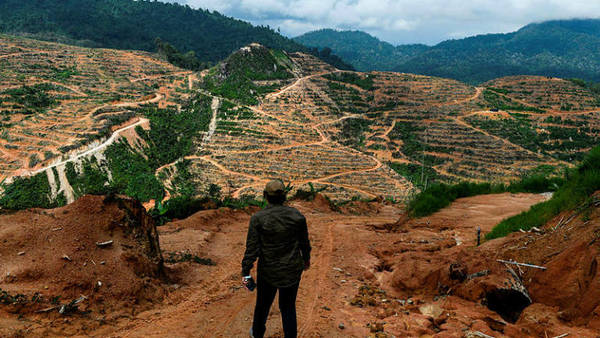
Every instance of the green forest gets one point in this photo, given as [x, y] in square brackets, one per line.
[128, 24]
[234, 78]
[562, 48]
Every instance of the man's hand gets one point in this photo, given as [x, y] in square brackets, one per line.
[246, 279]
[306, 265]
[249, 283]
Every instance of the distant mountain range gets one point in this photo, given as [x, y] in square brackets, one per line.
[568, 48]
[130, 24]
[363, 51]
[564, 48]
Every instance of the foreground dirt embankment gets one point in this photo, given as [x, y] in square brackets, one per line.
[100, 251]
[370, 275]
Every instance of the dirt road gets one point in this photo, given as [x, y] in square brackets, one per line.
[210, 302]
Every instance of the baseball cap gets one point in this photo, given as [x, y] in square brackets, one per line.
[274, 188]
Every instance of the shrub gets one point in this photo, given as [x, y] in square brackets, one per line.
[365, 83]
[132, 173]
[32, 99]
[29, 192]
[183, 206]
[91, 180]
[414, 172]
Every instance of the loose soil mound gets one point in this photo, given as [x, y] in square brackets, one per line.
[56, 255]
[563, 298]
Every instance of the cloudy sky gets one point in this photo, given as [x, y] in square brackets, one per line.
[401, 21]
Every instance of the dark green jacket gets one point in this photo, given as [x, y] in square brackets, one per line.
[278, 237]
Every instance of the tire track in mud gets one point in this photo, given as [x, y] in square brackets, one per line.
[322, 265]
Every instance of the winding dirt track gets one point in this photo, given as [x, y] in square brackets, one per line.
[215, 306]
[258, 181]
[94, 150]
[325, 139]
[115, 135]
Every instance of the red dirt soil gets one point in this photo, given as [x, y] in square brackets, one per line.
[54, 253]
[402, 267]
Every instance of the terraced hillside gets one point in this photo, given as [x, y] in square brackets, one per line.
[415, 124]
[263, 114]
[56, 99]
[343, 132]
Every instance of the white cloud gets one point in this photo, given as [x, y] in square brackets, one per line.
[401, 21]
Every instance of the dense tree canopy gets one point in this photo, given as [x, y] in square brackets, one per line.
[128, 24]
[566, 48]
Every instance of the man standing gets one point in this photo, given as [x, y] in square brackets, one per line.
[278, 237]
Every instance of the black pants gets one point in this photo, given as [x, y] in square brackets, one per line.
[265, 294]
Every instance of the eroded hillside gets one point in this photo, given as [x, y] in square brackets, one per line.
[344, 132]
[263, 114]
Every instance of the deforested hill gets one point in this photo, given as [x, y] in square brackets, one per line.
[81, 120]
[129, 24]
[565, 48]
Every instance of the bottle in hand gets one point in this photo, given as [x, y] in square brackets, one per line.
[249, 283]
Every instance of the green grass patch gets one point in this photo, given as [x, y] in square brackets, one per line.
[579, 184]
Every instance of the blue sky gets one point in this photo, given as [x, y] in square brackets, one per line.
[401, 21]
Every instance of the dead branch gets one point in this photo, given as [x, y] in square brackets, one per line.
[478, 334]
[71, 306]
[104, 244]
[522, 264]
